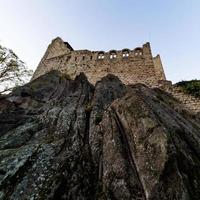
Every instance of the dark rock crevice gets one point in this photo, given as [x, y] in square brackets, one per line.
[137, 189]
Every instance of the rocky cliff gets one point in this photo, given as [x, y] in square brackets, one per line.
[68, 139]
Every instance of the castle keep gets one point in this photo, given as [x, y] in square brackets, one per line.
[129, 65]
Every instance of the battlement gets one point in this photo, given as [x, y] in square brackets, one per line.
[130, 65]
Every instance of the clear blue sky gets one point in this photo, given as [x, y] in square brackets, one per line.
[172, 27]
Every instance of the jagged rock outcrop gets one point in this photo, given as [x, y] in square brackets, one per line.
[66, 139]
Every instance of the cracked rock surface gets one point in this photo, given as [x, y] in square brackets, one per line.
[68, 139]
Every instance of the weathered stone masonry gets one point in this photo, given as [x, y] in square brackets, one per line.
[130, 66]
[190, 102]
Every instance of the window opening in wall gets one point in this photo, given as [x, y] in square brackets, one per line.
[125, 54]
[101, 56]
[75, 59]
[90, 57]
[113, 55]
[138, 52]
[83, 57]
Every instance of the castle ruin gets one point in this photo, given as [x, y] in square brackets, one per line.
[130, 66]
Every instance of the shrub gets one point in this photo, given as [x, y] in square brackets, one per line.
[190, 87]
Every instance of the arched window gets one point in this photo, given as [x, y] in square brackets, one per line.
[125, 53]
[138, 52]
[113, 54]
[100, 55]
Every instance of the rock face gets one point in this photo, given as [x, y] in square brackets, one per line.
[66, 139]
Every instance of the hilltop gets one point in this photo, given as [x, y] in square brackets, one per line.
[67, 139]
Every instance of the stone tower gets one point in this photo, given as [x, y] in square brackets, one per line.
[130, 66]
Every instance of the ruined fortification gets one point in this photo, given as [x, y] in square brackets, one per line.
[130, 66]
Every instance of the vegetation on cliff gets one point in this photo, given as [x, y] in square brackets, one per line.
[190, 87]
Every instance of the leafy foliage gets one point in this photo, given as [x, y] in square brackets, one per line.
[13, 72]
[190, 87]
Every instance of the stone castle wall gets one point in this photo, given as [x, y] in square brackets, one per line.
[131, 66]
[190, 102]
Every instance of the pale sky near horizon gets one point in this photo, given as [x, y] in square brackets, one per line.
[172, 27]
